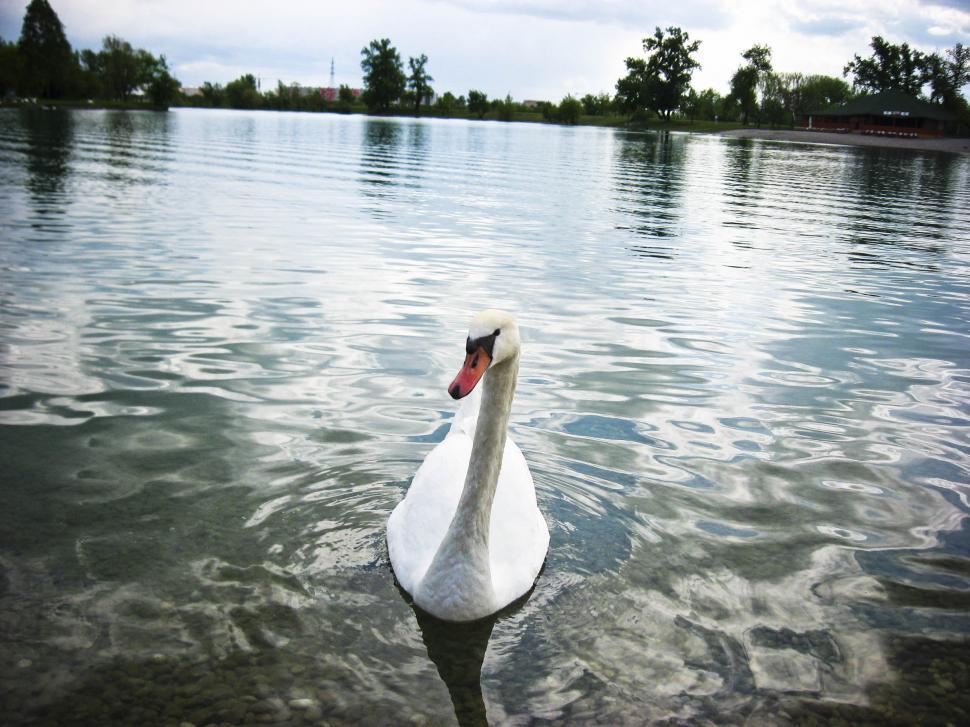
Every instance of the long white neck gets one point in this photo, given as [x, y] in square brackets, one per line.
[459, 579]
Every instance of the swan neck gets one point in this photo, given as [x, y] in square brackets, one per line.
[459, 578]
[488, 446]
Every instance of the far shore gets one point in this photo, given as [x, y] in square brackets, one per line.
[953, 145]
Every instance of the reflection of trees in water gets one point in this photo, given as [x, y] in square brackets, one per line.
[648, 171]
[902, 207]
[379, 166]
[743, 185]
[392, 157]
[50, 140]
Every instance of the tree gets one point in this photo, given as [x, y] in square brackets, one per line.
[384, 79]
[891, 67]
[597, 105]
[214, 95]
[45, 54]
[163, 88]
[570, 109]
[9, 67]
[708, 104]
[478, 103]
[419, 81]
[504, 110]
[242, 93]
[446, 103]
[660, 82]
[820, 92]
[947, 76]
[744, 82]
[123, 69]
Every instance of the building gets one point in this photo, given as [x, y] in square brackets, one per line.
[890, 113]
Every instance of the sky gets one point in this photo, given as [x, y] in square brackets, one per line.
[531, 49]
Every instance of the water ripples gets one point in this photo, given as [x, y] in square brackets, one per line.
[224, 340]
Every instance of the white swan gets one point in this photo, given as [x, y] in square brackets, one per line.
[468, 538]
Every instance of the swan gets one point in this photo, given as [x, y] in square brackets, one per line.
[468, 538]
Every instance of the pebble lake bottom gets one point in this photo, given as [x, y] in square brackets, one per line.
[225, 339]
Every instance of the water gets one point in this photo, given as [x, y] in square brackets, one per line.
[224, 344]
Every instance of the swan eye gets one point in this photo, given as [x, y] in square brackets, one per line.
[497, 331]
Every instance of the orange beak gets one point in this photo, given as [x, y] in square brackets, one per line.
[470, 374]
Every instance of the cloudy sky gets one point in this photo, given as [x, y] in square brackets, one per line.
[538, 49]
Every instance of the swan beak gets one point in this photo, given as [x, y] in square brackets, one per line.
[470, 374]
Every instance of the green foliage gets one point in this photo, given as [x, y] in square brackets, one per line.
[947, 76]
[123, 69]
[891, 67]
[660, 82]
[214, 95]
[505, 110]
[419, 82]
[242, 93]
[570, 109]
[446, 103]
[384, 79]
[478, 103]
[345, 94]
[600, 105]
[819, 92]
[9, 67]
[744, 82]
[162, 89]
[47, 63]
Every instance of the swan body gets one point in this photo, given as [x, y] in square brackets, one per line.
[468, 538]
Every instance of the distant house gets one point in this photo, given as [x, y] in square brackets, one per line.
[191, 91]
[890, 113]
[531, 103]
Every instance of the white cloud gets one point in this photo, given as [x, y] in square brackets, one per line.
[531, 49]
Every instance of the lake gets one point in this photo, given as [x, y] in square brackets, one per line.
[225, 341]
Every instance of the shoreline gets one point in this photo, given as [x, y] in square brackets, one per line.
[952, 145]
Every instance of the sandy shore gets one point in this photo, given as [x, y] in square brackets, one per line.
[955, 146]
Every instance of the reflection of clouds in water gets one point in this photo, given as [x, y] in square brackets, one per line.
[745, 449]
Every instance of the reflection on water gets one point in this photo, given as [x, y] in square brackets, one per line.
[458, 651]
[224, 342]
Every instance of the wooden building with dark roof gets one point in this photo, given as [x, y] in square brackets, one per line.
[890, 113]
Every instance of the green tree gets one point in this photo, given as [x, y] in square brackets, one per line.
[744, 82]
[947, 76]
[162, 89]
[419, 81]
[122, 68]
[890, 67]
[345, 94]
[660, 82]
[47, 62]
[9, 67]
[242, 93]
[819, 92]
[214, 95]
[570, 109]
[384, 79]
[446, 103]
[478, 103]
[775, 94]
[708, 104]
[597, 105]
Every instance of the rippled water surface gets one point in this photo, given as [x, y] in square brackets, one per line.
[224, 344]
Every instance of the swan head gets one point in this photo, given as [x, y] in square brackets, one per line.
[493, 337]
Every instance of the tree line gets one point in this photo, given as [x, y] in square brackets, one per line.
[660, 83]
[42, 64]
